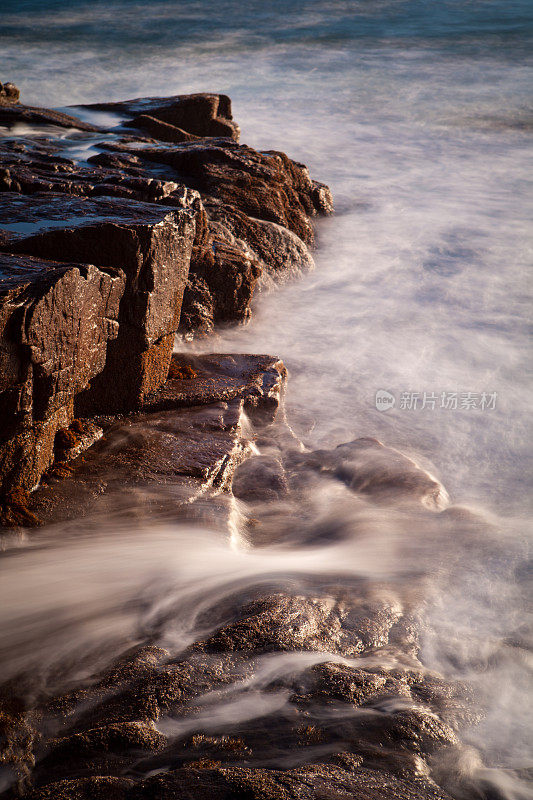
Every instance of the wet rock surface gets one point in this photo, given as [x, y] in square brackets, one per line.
[129, 203]
[190, 436]
[215, 377]
[151, 246]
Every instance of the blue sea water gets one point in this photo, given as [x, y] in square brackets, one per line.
[418, 115]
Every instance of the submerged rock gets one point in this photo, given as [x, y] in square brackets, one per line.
[370, 468]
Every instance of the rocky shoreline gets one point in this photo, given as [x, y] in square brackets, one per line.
[289, 687]
[168, 226]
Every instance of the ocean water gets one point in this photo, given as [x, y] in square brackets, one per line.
[417, 113]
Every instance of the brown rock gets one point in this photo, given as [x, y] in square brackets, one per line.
[55, 323]
[267, 185]
[189, 436]
[280, 253]
[96, 788]
[36, 165]
[163, 131]
[152, 245]
[216, 377]
[71, 441]
[259, 204]
[152, 465]
[311, 782]
[8, 93]
[221, 285]
[199, 114]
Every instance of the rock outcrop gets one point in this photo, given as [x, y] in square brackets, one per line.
[185, 219]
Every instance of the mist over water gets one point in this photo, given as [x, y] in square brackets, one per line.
[418, 116]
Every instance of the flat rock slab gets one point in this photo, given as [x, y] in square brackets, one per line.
[149, 466]
[198, 380]
[27, 215]
[186, 444]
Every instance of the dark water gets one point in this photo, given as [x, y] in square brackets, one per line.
[418, 115]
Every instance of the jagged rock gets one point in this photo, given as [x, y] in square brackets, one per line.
[221, 285]
[267, 185]
[198, 114]
[281, 254]
[55, 324]
[259, 204]
[151, 244]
